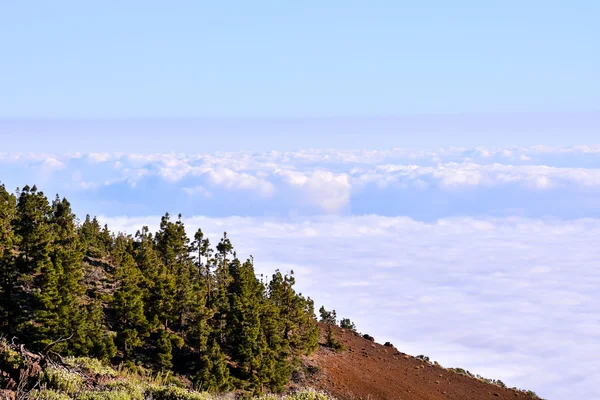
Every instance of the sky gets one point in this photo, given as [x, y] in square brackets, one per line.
[145, 58]
[431, 171]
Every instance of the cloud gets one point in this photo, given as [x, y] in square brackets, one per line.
[325, 190]
[52, 164]
[426, 184]
[509, 298]
[466, 174]
[230, 179]
[96, 158]
[48, 166]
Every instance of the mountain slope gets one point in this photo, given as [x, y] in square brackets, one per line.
[367, 370]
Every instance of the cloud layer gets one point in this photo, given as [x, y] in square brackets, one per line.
[533, 181]
[509, 298]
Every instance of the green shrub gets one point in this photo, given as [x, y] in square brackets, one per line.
[175, 393]
[309, 394]
[61, 380]
[9, 356]
[47, 395]
[105, 395]
[93, 365]
[345, 323]
[135, 390]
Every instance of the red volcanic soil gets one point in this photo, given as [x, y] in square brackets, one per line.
[368, 370]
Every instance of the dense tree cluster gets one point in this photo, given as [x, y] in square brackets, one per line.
[164, 300]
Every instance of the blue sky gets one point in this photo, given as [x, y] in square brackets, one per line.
[430, 168]
[296, 59]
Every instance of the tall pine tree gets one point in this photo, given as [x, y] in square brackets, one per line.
[8, 271]
[129, 299]
[36, 272]
[67, 257]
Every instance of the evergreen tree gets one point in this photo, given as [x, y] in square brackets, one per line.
[244, 324]
[221, 299]
[158, 285]
[67, 257]
[90, 235]
[37, 274]
[7, 260]
[309, 327]
[345, 323]
[198, 328]
[174, 249]
[213, 373]
[128, 299]
[300, 330]
[275, 352]
[100, 341]
[164, 350]
[329, 318]
[106, 239]
[201, 246]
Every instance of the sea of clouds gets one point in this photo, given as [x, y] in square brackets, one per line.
[481, 258]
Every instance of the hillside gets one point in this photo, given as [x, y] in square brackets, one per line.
[164, 304]
[368, 370]
[362, 370]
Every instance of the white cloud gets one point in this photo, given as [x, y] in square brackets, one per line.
[514, 299]
[467, 174]
[52, 164]
[345, 171]
[326, 190]
[230, 179]
[96, 158]
[48, 166]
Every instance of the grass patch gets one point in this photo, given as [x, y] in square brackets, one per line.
[61, 380]
[175, 393]
[48, 395]
[91, 365]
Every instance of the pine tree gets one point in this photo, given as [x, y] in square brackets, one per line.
[164, 350]
[7, 260]
[309, 327]
[289, 327]
[198, 328]
[158, 285]
[128, 298]
[329, 318]
[201, 246]
[345, 323]
[90, 235]
[221, 299]
[106, 239]
[101, 343]
[296, 313]
[67, 257]
[37, 273]
[244, 324]
[174, 249]
[213, 374]
[275, 353]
